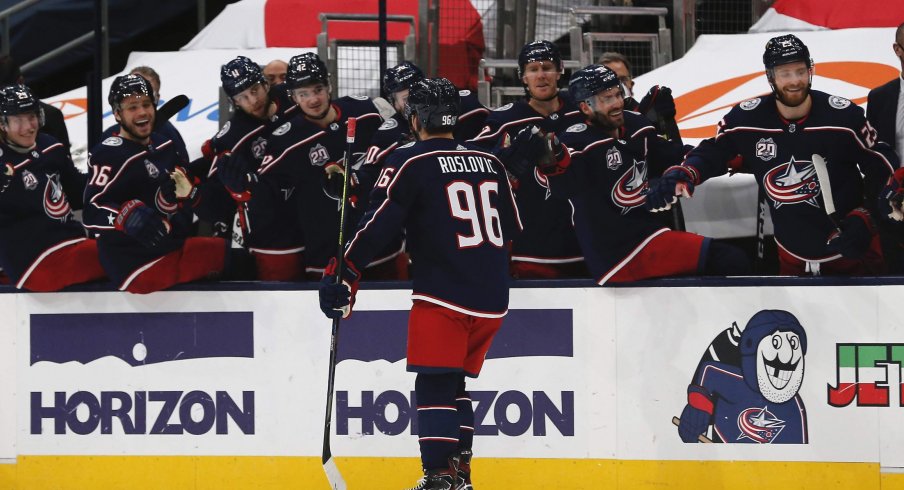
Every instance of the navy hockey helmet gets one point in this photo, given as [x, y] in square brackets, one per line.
[18, 99]
[126, 86]
[436, 103]
[786, 49]
[306, 69]
[401, 76]
[591, 80]
[240, 74]
[538, 51]
[760, 325]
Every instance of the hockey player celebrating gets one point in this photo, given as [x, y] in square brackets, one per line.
[42, 247]
[778, 137]
[456, 205]
[293, 197]
[606, 180]
[138, 201]
[548, 247]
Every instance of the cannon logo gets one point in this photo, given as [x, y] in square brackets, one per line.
[381, 335]
[140, 340]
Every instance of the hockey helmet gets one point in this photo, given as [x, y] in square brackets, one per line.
[401, 76]
[18, 99]
[760, 325]
[240, 74]
[538, 51]
[786, 49]
[591, 80]
[436, 103]
[306, 69]
[128, 85]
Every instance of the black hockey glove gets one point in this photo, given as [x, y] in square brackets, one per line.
[854, 235]
[677, 181]
[519, 154]
[6, 176]
[892, 196]
[235, 174]
[659, 100]
[555, 158]
[696, 416]
[336, 300]
[142, 223]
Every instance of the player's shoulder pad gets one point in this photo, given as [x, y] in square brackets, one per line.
[356, 105]
[407, 145]
[44, 141]
[505, 107]
[750, 109]
[577, 128]
[225, 129]
[283, 129]
[635, 121]
[388, 124]
[112, 141]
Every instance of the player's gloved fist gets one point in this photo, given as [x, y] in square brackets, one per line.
[519, 154]
[892, 196]
[235, 174]
[854, 235]
[142, 223]
[334, 175]
[337, 298]
[6, 176]
[677, 181]
[696, 416]
[555, 158]
[658, 99]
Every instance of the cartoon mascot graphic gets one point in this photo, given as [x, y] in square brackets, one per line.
[746, 385]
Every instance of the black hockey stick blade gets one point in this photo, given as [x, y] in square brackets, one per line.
[169, 109]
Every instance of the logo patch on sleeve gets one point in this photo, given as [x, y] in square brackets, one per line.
[505, 107]
[225, 129]
[839, 102]
[113, 141]
[359, 97]
[282, 129]
[389, 124]
[576, 128]
[464, 93]
[750, 104]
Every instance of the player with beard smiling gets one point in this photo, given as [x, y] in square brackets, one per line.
[604, 172]
[776, 137]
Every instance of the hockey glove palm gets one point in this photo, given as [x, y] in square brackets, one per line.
[555, 158]
[677, 181]
[696, 416]
[142, 223]
[659, 100]
[235, 174]
[854, 235]
[519, 154]
[334, 176]
[892, 196]
[337, 298]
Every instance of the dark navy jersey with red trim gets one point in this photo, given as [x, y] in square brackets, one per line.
[779, 152]
[36, 207]
[167, 130]
[548, 235]
[121, 170]
[472, 118]
[455, 204]
[607, 183]
[292, 174]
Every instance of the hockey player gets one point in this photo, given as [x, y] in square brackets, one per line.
[776, 136]
[42, 247]
[293, 201]
[548, 246]
[259, 109]
[456, 205]
[138, 201]
[605, 178]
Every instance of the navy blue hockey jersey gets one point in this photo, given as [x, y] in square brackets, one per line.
[36, 208]
[292, 174]
[607, 183]
[457, 208]
[779, 152]
[548, 235]
[121, 170]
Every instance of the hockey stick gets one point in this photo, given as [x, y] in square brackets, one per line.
[825, 186]
[329, 466]
[701, 438]
[169, 109]
[759, 263]
[670, 128]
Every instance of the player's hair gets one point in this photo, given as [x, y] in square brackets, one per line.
[612, 56]
[899, 35]
[149, 73]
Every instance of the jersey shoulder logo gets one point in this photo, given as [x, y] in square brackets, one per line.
[318, 155]
[464, 93]
[113, 141]
[359, 97]
[407, 145]
[766, 149]
[839, 102]
[389, 124]
[576, 128]
[224, 130]
[504, 107]
[282, 129]
[750, 104]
